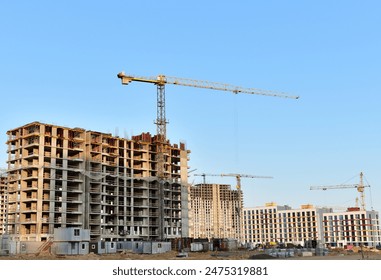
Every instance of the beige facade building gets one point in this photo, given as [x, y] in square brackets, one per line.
[215, 211]
[72, 177]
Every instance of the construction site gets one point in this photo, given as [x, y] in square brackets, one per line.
[73, 191]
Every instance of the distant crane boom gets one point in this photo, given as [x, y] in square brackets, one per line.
[324, 188]
[360, 188]
[238, 177]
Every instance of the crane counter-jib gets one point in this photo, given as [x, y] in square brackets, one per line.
[127, 79]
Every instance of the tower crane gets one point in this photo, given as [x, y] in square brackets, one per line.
[161, 122]
[237, 176]
[360, 188]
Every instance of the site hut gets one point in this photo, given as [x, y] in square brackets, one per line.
[71, 241]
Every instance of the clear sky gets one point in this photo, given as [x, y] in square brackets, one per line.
[59, 61]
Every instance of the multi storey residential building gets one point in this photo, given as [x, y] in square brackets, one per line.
[215, 211]
[273, 224]
[353, 227]
[281, 224]
[72, 177]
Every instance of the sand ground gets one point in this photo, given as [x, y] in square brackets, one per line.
[173, 255]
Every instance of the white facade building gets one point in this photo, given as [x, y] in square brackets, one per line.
[273, 224]
[354, 227]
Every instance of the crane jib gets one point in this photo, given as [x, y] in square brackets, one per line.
[162, 80]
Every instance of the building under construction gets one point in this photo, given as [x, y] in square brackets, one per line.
[215, 211]
[3, 200]
[61, 177]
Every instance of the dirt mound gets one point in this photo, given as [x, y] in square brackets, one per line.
[261, 257]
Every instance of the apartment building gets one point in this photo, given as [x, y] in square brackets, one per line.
[354, 227]
[3, 200]
[273, 224]
[72, 177]
[215, 211]
[282, 224]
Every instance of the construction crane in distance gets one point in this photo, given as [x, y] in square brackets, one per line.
[332, 207]
[237, 176]
[238, 186]
[161, 122]
[360, 188]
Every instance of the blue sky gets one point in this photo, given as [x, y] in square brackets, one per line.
[59, 61]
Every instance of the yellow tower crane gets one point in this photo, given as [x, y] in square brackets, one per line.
[360, 188]
[237, 176]
[161, 122]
